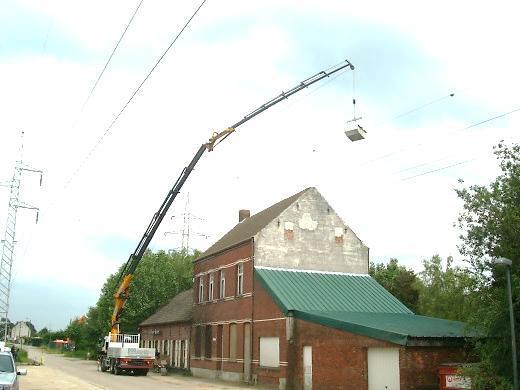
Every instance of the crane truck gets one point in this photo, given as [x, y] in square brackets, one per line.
[121, 352]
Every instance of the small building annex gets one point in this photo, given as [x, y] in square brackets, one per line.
[168, 330]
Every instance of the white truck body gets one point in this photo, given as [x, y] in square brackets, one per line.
[127, 345]
[121, 353]
[131, 352]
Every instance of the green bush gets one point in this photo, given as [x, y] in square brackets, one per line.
[21, 356]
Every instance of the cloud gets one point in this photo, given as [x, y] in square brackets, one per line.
[234, 57]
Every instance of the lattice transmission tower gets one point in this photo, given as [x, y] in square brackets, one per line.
[186, 232]
[8, 243]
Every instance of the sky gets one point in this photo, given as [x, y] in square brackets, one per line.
[95, 203]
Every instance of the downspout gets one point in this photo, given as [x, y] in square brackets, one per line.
[252, 311]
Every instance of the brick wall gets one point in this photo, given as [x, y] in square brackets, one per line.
[339, 359]
[223, 312]
[269, 321]
[419, 365]
[176, 331]
[165, 332]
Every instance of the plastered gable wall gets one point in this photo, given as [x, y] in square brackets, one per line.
[310, 235]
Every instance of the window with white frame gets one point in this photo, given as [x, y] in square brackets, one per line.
[240, 278]
[210, 290]
[201, 289]
[222, 284]
[269, 352]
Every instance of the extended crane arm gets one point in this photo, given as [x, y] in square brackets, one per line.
[127, 274]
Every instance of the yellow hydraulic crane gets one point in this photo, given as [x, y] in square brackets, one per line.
[127, 274]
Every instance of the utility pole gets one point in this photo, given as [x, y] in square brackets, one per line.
[6, 261]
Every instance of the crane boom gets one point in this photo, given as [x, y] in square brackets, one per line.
[127, 274]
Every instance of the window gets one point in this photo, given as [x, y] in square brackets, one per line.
[338, 235]
[288, 231]
[209, 341]
[165, 347]
[6, 364]
[240, 279]
[210, 290]
[232, 342]
[269, 352]
[198, 340]
[201, 289]
[222, 284]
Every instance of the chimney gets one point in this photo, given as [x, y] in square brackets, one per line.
[243, 214]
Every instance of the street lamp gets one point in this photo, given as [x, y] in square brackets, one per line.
[508, 264]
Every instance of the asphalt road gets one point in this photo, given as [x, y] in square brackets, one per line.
[83, 375]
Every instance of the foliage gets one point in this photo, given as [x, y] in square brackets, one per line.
[398, 280]
[159, 277]
[48, 336]
[490, 222]
[9, 325]
[21, 356]
[445, 293]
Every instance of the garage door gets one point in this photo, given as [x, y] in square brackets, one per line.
[383, 368]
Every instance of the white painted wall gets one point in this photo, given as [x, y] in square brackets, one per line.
[20, 330]
[316, 230]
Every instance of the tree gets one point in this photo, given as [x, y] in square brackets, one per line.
[158, 278]
[445, 293]
[398, 280]
[490, 222]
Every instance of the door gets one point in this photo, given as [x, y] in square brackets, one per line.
[307, 367]
[247, 352]
[383, 368]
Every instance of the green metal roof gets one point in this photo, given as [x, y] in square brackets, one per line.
[328, 291]
[354, 303]
[398, 328]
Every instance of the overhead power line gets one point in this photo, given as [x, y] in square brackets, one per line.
[462, 162]
[420, 107]
[111, 125]
[492, 119]
[440, 169]
[420, 144]
[111, 55]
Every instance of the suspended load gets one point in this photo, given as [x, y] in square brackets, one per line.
[356, 134]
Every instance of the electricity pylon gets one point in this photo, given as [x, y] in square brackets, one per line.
[8, 243]
[186, 231]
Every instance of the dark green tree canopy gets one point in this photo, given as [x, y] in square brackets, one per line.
[158, 278]
[445, 292]
[398, 280]
[490, 222]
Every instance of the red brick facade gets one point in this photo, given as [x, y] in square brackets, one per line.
[339, 358]
[211, 353]
[169, 340]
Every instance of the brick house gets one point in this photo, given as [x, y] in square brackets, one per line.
[285, 299]
[168, 330]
